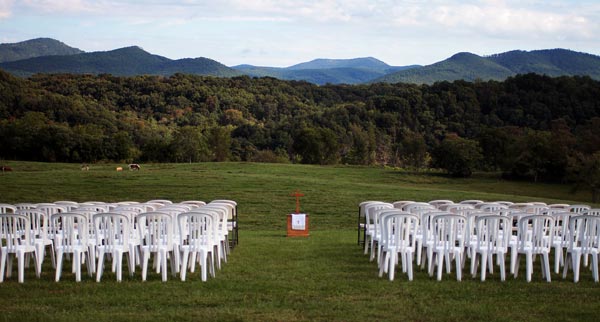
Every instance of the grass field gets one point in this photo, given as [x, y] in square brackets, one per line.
[273, 278]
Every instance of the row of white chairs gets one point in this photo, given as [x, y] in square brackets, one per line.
[94, 230]
[449, 231]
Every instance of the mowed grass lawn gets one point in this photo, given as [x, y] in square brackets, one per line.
[273, 278]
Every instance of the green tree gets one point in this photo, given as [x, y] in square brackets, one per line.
[584, 170]
[219, 140]
[189, 145]
[458, 156]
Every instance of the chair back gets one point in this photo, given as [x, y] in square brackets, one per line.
[15, 230]
[535, 231]
[197, 230]
[448, 231]
[40, 223]
[493, 233]
[155, 230]
[585, 234]
[7, 208]
[398, 230]
[70, 230]
[111, 231]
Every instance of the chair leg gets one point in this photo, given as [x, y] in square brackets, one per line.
[409, 266]
[100, 266]
[576, 264]
[595, 267]
[59, 261]
[484, 262]
[2, 264]
[440, 263]
[458, 261]
[21, 265]
[392, 268]
[513, 260]
[163, 260]
[145, 257]
[529, 266]
[546, 264]
[516, 265]
[184, 260]
[77, 260]
[39, 258]
[203, 267]
[557, 258]
[502, 259]
[383, 263]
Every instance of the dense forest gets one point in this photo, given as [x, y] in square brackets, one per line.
[530, 126]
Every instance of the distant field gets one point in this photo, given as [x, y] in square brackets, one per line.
[273, 278]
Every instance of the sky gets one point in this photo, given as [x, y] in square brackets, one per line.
[284, 32]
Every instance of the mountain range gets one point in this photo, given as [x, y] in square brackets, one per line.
[471, 67]
[45, 55]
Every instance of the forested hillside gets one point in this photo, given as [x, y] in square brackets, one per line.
[528, 126]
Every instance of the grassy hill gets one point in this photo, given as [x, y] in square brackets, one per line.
[469, 67]
[128, 61]
[269, 277]
[35, 48]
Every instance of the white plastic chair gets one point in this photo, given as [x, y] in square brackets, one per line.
[112, 237]
[537, 209]
[584, 239]
[471, 202]
[491, 207]
[362, 224]
[438, 203]
[560, 239]
[69, 205]
[197, 203]
[197, 235]
[448, 244]
[370, 223]
[25, 205]
[222, 212]
[41, 231]
[71, 236]
[417, 206]
[456, 208]
[593, 212]
[15, 230]
[156, 237]
[398, 230]
[163, 202]
[534, 237]
[7, 208]
[400, 203]
[493, 233]
[579, 209]
[232, 221]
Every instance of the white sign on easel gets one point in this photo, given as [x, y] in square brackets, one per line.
[298, 221]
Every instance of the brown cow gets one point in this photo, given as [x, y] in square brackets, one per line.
[134, 166]
[5, 168]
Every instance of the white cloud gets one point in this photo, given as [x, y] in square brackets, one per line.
[5, 8]
[64, 6]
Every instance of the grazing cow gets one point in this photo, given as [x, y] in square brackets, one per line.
[134, 166]
[5, 168]
[85, 167]
[119, 168]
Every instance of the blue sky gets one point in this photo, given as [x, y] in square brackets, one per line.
[285, 32]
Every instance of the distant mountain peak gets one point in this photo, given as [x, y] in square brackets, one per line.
[327, 63]
[32, 48]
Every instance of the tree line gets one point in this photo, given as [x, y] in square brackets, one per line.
[529, 126]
